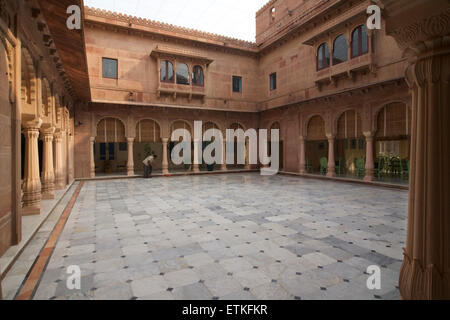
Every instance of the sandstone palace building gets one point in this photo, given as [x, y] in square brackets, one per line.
[91, 103]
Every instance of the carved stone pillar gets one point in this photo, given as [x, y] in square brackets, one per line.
[130, 162]
[92, 157]
[71, 157]
[197, 148]
[48, 173]
[369, 157]
[331, 162]
[425, 273]
[165, 159]
[31, 181]
[224, 156]
[302, 169]
[64, 172]
[60, 182]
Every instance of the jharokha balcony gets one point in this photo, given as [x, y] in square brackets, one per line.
[182, 72]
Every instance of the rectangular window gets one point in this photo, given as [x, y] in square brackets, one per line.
[109, 68]
[102, 151]
[237, 84]
[273, 81]
[111, 151]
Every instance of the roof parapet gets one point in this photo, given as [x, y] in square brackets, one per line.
[167, 27]
[268, 4]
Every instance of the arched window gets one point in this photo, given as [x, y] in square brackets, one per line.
[323, 56]
[360, 41]
[110, 130]
[182, 74]
[197, 76]
[167, 71]
[340, 50]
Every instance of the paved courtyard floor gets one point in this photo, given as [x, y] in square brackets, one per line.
[236, 236]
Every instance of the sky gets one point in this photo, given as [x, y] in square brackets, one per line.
[232, 18]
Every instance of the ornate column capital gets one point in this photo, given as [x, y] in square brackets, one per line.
[48, 132]
[58, 136]
[130, 140]
[31, 132]
[33, 124]
[47, 137]
[369, 135]
[421, 27]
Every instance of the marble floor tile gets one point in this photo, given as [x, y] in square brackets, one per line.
[236, 236]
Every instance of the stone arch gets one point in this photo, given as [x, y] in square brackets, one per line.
[358, 127]
[148, 130]
[314, 117]
[274, 125]
[5, 69]
[9, 71]
[99, 117]
[235, 124]
[349, 143]
[377, 109]
[316, 143]
[210, 125]
[180, 124]
[148, 140]
[110, 146]
[110, 129]
[210, 122]
[28, 78]
[8, 214]
[396, 122]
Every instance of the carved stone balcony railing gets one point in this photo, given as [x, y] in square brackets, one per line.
[348, 69]
[176, 90]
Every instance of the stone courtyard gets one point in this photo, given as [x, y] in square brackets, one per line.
[229, 237]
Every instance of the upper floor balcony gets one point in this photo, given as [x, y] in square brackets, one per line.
[343, 50]
[181, 72]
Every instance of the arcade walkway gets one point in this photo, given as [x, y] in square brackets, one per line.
[227, 237]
